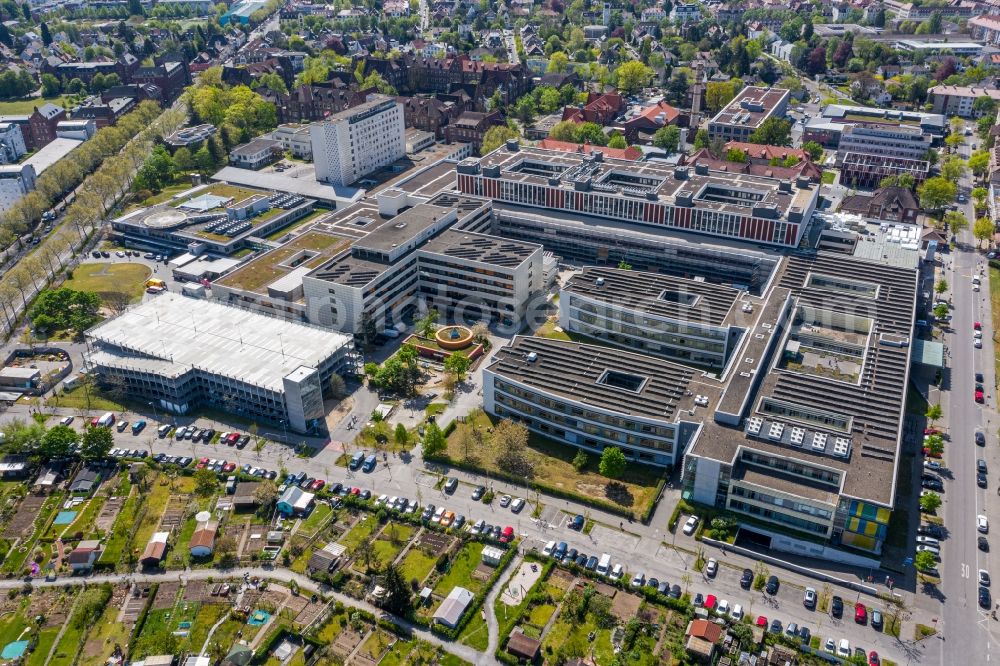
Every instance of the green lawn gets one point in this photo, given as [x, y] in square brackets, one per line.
[155, 503]
[417, 564]
[388, 548]
[316, 520]
[105, 278]
[166, 193]
[361, 531]
[68, 646]
[16, 559]
[25, 107]
[460, 570]
[77, 398]
[552, 463]
[275, 235]
[829, 177]
[120, 531]
[476, 634]
[105, 632]
[46, 637]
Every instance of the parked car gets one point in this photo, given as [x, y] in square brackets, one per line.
[809, 598]
[737, 613]
[576, 523]
[984, 598]
[772, 585]
[982, 524]
[517, 505]
[711, 567]
[451, 485]
[690, 525]
[837, 606]
[746, 580]
[66, 420]
[478, 493]
[876, 619]
[860, 613]
[984, 577]
[505, 501]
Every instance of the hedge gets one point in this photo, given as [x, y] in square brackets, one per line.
[553, 491]
[647, 515]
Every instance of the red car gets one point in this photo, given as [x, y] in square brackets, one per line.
[318, 484]
[931, 431]
[762, 621]
[233, 438]
[229, 467]
[202, 463]
[355, 491]
[507, 535]
[873, 659]
[976, 326]
[860, 613]
[979, 397]
[710, 602]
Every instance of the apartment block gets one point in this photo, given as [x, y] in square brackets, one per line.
[747, 112]
[353, 143]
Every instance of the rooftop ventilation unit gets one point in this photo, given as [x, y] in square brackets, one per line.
[599, 282]
[819, 441]
[841, 447]
[532, 357]
[776, 430]
[797, 435]
[753, 425]
[701, 400]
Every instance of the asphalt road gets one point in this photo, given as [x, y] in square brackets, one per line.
[964, 622]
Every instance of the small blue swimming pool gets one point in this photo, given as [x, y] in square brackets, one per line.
[14, 650]
[64, 518]
[258, 618]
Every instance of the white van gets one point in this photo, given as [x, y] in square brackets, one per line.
[106, 420]
[617, 572]
[604, 565]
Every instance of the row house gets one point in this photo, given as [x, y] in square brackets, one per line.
[310, 103]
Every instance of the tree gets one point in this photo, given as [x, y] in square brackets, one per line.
[720, 93]
[941, 287]
[701, 139]
[955, 221]
[564, 130]
[591, 133]
[510, 440]
[772, 132]
[135, 8]
[984, 106]
[814, 150]
[933, 413]
[936, 193]
[525, 109]
[633, 76]
[427, 324]
[980, 196]
[457, 364]
[273, 82]
[983, 230]
[953, 168]
[51, 86]
[495, 137]
[934, 444]
[46, 35]
[668, 138]
[580, 460]
[930, 502]
[979, 162]
[64, 309]
[58, 442]
[617, 141]
[924, 561]
[434, 441]
[266, 493]
[558, 63]
[96, 443]
[612, 462]
[205, 482]
[400, 436]
[398, 598]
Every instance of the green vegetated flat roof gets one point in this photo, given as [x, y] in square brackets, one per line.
[220, 190]
[876, 118]
[268, 267]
